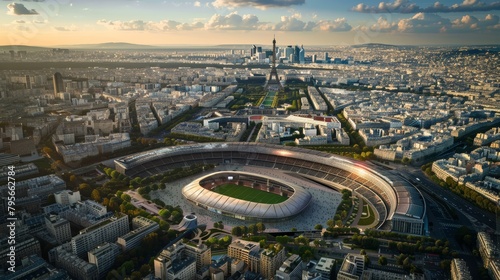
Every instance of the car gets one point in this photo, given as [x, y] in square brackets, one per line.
[417, 179]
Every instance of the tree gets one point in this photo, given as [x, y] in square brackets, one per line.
[261, 227]
[164, 225]
[236, 231]
[244, 229]
[136, 275]
[318, 227]
[47, 150]
[176, 215]
[382, 260]
[283, 240]
[126, 197]
[307, 256]
[114, 204]
[55, 165]
[316, 242]
[144, 269]
[85, 189]
[212, 240]
[72, 178]
[96, 195]
[127, 267]
[150, 240]
[105, 201]
[252, 229]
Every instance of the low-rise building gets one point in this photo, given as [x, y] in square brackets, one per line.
[103, 257]
[141, 227]
[459, 270]
[290, 269]
[58, 228]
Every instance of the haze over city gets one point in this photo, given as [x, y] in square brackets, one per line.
[313, 22]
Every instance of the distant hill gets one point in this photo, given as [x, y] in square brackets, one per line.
[376, 45]
[22, 48]
[111, 46]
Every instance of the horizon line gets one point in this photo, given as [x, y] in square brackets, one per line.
[237, 44]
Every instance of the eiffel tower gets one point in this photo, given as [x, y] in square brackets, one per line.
[274, 81]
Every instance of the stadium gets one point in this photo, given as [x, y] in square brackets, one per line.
[398, 205]
[201, 193]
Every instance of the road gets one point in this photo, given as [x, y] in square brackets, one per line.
[481, 219]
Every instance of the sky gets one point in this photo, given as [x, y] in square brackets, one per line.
[217, 22]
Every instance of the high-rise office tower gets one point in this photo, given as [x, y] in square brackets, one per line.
[296, 51]
[57, 80]
[253, 50]
[288, 52]
[302, 55]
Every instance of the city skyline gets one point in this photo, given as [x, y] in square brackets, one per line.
[215, 22]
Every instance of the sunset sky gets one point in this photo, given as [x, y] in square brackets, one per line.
[214, 22]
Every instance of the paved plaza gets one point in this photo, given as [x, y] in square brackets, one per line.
[323, 205]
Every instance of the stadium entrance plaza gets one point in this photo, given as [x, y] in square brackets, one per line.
[323, 204]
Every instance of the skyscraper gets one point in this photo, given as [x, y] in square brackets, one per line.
[57, 80]
[296, 51]
[253, 50]
[288, 52]
[302, 55]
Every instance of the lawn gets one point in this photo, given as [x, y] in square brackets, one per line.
[270, 99]
[249, 194]
[370, 218]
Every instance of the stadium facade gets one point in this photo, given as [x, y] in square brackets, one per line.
[399, 206]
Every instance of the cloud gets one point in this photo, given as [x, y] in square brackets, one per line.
[233, 21]
[424, 23]
[140, 25]
[433, 23]
[468, 22]
[65, 29]
[17, 9]
[406, 7]
[419, 23]
[197, 4]
[293, 23]
[259, 4]
[337, 25]
[398, 6]
[383, 25]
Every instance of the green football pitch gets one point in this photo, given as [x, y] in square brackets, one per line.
[249, 194]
